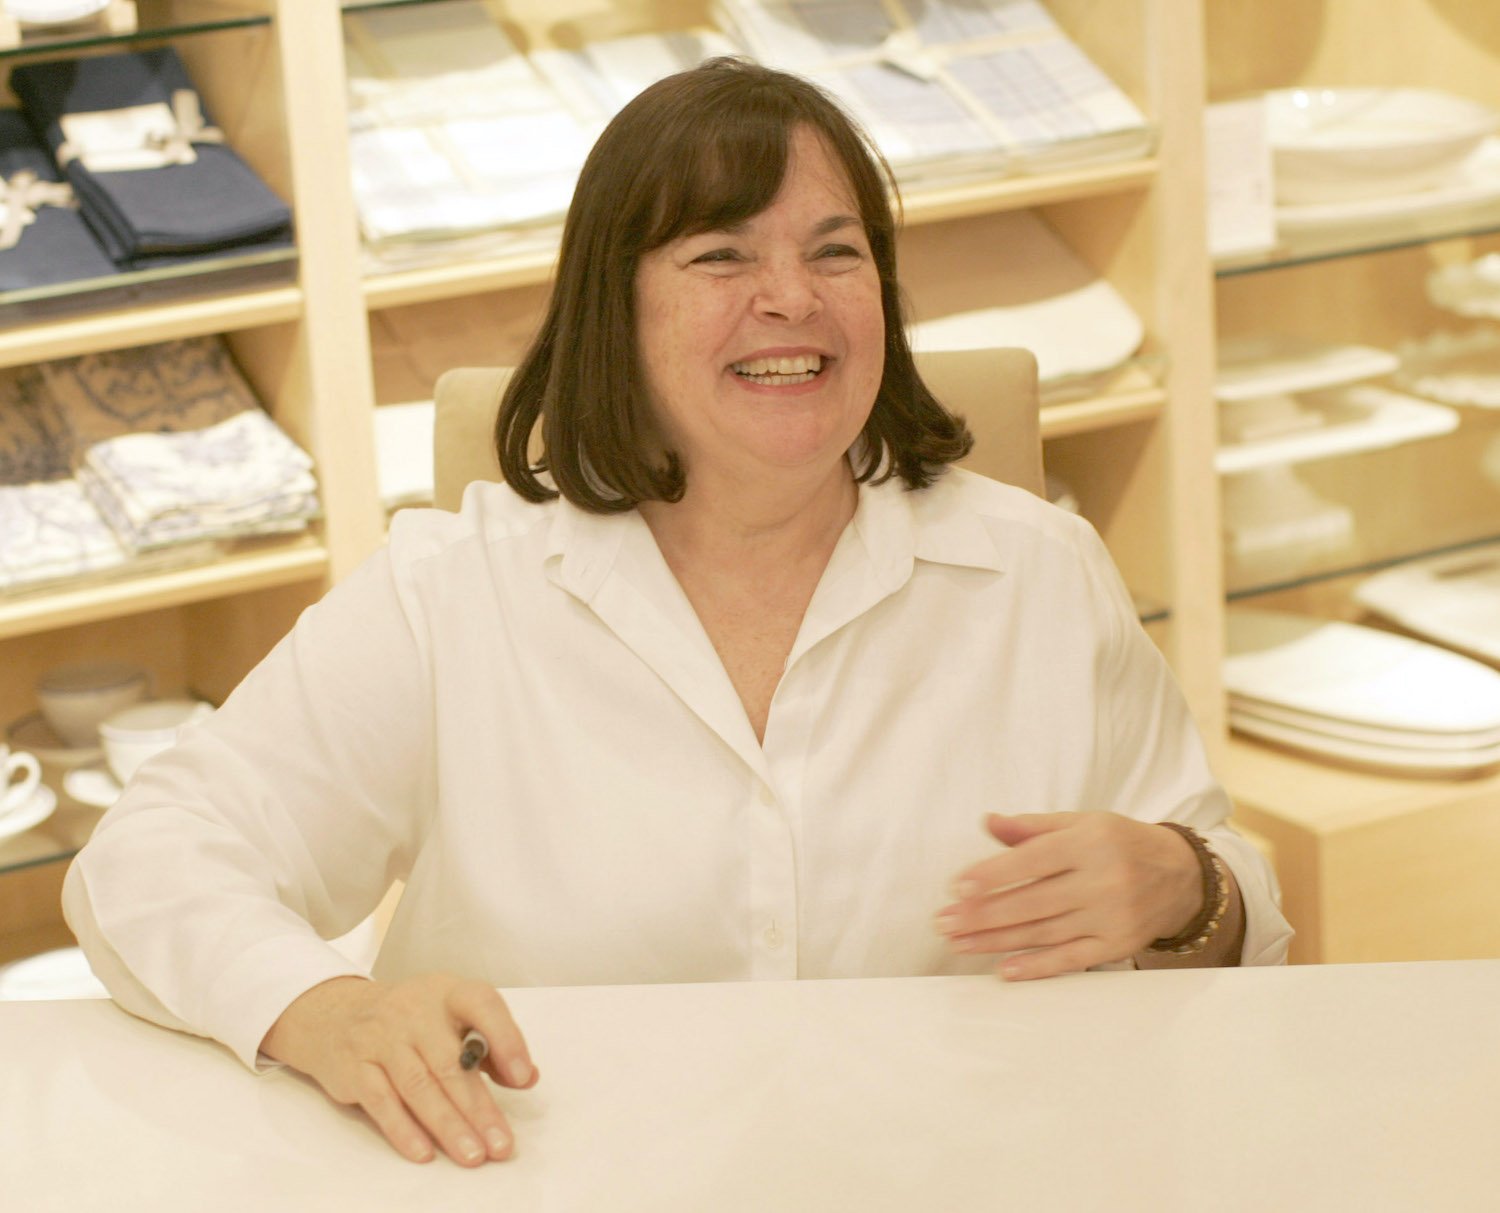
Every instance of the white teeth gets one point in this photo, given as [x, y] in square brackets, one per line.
[803, 367]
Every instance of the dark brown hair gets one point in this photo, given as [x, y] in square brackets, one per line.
[698, 151]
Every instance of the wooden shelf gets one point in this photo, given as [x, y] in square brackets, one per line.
[1374, 867]
[268, 564]
[121, 328]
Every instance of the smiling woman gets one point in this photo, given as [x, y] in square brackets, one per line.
[698, 160]
[720, 688]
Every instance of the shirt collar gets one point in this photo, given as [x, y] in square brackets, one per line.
[894, 526]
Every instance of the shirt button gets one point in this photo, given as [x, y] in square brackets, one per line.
[773, 935]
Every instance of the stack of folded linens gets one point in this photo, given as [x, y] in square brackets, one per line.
[43, 239]
[170, 444]
[154, 179]
[1359, 696]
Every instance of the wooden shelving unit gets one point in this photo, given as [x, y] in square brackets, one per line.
[1373, 866]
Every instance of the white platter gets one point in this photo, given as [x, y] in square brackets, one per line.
[32, 813]
[1375, 757]
[1345, 730]
[1335, 421]
[1359, 675]
[1475, 181]
[1453, 599]
[1453, 368]
[1021, 286]
[1355, 142]
[1271, 364]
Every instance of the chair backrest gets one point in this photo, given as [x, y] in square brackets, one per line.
[994, 389]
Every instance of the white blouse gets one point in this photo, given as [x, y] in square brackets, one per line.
[515, 710]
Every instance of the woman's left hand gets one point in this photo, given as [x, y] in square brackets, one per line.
[1074, 890]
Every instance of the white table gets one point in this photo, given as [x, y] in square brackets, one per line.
[1361, 1087]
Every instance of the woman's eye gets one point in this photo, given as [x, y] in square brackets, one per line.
[838, 250]
[718, 254]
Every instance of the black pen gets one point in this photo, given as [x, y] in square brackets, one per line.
[475, 1049]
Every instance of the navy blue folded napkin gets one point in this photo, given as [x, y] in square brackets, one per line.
[55, 245]
[145, 215]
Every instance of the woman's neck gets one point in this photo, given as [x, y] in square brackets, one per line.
[759, 526]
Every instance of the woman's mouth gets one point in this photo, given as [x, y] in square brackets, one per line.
[780, 372]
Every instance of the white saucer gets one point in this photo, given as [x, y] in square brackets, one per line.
[33, 812]
[93, 786]
[33, 733]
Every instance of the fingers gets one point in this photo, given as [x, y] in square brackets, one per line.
[394, 1050]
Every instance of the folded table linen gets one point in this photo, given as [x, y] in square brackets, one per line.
[50, 531]
[191, 193]
[43, 239]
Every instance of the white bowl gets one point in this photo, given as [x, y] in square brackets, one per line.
[142, 730]
[75, 698]
[1337, 144]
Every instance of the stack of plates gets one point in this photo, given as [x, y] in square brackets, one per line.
[1360, 696]
[1348, 157]
[1453, 599]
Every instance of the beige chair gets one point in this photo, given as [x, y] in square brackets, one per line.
[995, 390]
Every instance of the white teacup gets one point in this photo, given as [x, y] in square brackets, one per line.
[136, 733]
[15, 792]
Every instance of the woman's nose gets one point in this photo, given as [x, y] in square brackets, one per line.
[788, 291]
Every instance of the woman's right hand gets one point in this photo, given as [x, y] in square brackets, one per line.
[393, 1050]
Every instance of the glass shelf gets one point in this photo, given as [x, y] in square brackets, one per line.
[1364, 238]
[155, 20]
[57, 838]
[358, 6]
[242, 272]
[1344, 577]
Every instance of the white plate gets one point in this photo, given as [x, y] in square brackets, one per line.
[1345, 672]
[1344, 730]
[1269, 364]
[1453, 368]
[93, 786]
[1475, 181]
[1339, 421]
[35, 734]
[53, 12]
[1453, 599]
[32, 813]
[62, 973]
[1342, 143]
[1021, 285]
[1376, 757]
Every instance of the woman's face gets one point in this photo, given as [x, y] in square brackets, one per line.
[763, 345]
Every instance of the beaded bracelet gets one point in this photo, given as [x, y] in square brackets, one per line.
[1195, 936]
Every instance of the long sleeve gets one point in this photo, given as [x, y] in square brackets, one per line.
[205, 897]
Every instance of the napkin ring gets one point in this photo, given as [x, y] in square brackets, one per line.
[1195, 936]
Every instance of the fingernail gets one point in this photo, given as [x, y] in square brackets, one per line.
[947, 922]
[518, 1071]
[1010, 971]
[498, 1141]
[418, 1150]
[470, 1148]
[966, 888]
